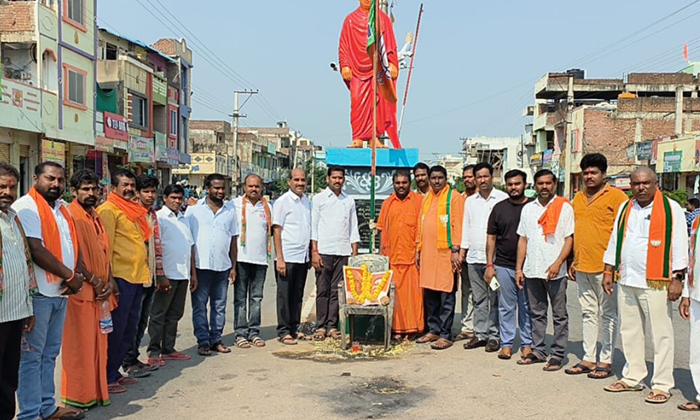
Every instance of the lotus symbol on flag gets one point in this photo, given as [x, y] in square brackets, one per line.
[655, 243]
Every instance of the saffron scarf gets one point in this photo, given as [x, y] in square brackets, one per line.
[444, 227]
[244, 224]
[693, 242]
[658, 256]
[31, 284]
[157, 245]
[133, 211]
[550, 217]
[50, 233]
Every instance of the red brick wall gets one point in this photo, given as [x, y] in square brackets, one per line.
[660, 78]
[17, 17]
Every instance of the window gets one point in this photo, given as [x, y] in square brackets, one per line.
[173, 122]
[111, 51]
[75, 11]
[139, 111]
[74, 87]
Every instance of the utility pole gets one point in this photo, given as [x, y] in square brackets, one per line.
[384, 5]
[236, 115]
[567, 142]
[313, 169]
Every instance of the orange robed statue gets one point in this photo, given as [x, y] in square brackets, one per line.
[356, 69]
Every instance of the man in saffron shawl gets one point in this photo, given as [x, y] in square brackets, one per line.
[356, 70]
[398, 222]
[440, 232]
[84, 382]
[649, 249]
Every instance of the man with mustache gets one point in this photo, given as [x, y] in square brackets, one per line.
[546, 232]
[84, 359]
[334, 237]
[438, 257]
[420, 175]
[18, 287]
[398, 222]
[53, 241]
[649, 249]
[291, 229]
[502, 248]
[467, 330]
[129, 233]
[215, 233]
[146, 194]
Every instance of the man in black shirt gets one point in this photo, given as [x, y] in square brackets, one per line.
[502, 241]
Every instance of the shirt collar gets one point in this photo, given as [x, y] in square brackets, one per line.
[330, 193]
[293, 195]
[11, 214]
[491, 195]
[170, 213]
[546, 205]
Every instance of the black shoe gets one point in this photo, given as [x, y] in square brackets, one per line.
[474, 343]
[492, 345]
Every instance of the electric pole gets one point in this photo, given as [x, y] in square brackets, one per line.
[384, 5]
[236, 115]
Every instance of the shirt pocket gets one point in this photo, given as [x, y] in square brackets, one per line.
[411, 220]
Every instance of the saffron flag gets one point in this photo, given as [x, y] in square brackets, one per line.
[375, 44]
[685, 52]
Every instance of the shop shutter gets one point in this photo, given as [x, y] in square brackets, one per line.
[24, 151]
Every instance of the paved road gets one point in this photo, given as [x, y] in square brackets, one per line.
[418, 384]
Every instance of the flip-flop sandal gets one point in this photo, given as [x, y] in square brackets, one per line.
[654, 394]
[304, 337]
[220, 348]
[258, 342]
[464, 336]
[176, 356]
[156, 361]
[684, 406]
[242, 343]
[620, 386]
[503, 355]
[428, 338]
[67, 413]
[582, 369]
[204, 351]
[116, 389]
[136, 372]
[607, 373]
[287, 340]
[552, 365]
[125, 380]
[530, 359]
[334, 334]
[320, 335]
[441, 344]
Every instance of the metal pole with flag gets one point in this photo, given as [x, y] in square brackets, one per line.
[372, 38]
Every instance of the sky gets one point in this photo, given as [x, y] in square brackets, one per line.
[475, 66]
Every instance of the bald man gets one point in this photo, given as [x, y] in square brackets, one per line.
[291, 227]
[649, 249]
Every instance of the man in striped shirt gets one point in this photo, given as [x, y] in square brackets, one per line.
[15, 286]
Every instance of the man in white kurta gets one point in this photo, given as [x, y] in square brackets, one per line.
[638, 303]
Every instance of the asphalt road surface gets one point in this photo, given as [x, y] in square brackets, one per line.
[282, 382]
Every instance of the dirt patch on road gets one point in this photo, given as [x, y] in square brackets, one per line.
[329, 351]
[374, 398]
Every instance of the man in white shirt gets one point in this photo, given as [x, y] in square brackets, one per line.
[171, 290]
[546, 232]
[215, 232]
[291, 224]
[53, 242]
[254, 247]
[477, 209]
[650, 278]
[690, 310]
[334, 237]
[19, 284]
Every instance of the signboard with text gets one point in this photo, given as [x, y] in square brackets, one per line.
[672, 161]
[53, 151]
[116, 126]
[141, 150]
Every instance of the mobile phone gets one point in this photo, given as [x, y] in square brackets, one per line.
[494, 285]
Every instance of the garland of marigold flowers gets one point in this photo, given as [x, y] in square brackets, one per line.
[366, 292]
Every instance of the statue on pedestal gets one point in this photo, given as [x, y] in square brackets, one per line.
[356, 70]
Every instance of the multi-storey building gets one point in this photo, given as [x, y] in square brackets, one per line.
[47, 105]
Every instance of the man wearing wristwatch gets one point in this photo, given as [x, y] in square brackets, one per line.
[53, 242]
[649, 249]
[438, 256]
[477, 209]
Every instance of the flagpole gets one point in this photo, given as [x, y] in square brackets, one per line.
[373, 173]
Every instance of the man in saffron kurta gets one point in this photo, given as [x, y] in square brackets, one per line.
[84, 382]
[356, 70]
[398, 222]
[438, 255]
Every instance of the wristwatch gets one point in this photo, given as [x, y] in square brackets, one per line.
[455, 250]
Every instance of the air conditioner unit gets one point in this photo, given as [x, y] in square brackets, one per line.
[26, 75]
